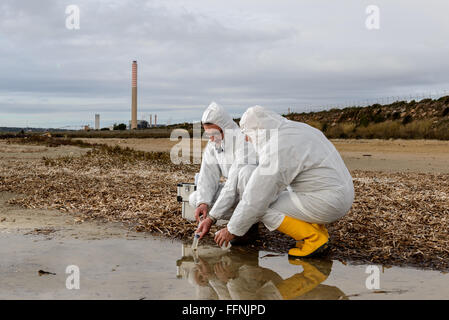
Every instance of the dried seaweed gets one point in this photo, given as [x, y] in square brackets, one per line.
[396, 219]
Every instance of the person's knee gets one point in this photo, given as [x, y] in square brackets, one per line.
[272, 219]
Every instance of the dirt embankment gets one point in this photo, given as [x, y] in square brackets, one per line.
[425, 119]
[397, 218]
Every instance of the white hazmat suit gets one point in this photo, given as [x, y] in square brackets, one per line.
[226, 160]
[311, 182]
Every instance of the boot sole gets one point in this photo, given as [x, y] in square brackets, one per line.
[318, 251]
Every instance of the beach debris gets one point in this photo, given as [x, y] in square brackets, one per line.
[43, 231]
[42, 272]
[270, 255]
[396, 218]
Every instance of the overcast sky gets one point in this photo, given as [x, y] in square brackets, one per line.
[277, 53]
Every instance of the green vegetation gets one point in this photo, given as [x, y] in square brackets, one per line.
[426, 119]
[117, 153]
[390, 129]
[118, 133]
[120, 126]
[48, 141]
[113, 155]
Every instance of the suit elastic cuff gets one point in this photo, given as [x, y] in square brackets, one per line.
[200, 202]
[214, 220]
[234, 231]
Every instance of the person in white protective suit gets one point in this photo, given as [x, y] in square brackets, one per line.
[240, 277]
[226, 155]
[309, 187]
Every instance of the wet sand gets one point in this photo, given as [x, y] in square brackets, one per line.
[377, 155]
[116, 263]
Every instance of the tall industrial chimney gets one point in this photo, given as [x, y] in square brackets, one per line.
[155, 120]
[97, 122]
[134, 96]
[151, 120]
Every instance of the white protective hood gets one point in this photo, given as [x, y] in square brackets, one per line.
[256, 121]
[258, 117]
[217, 115]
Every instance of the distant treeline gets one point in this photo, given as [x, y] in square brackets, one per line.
[160, 132]
[18, 129]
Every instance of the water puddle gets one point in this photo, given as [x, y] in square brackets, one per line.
[155, 268]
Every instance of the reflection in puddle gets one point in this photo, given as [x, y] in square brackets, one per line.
[233, 275]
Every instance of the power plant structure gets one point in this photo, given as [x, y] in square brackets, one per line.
[134, 96]
[97, 122]
[141, 124]
[134, 123]
[151, 124]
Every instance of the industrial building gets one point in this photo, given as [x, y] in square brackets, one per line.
[134, 96]
[140, 124]
[97, 122]
[134, 123]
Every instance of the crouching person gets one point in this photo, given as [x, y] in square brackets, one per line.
[214, 200]
[309, 186]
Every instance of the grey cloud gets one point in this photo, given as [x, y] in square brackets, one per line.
[278, 54]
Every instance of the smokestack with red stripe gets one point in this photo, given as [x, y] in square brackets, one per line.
[134, 97]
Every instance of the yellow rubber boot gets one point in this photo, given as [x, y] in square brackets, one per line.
[315, 236]
[321, 228]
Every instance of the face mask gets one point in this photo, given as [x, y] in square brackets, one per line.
[217, 141]
[219, 146]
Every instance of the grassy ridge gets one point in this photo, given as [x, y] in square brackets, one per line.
[426, 119]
